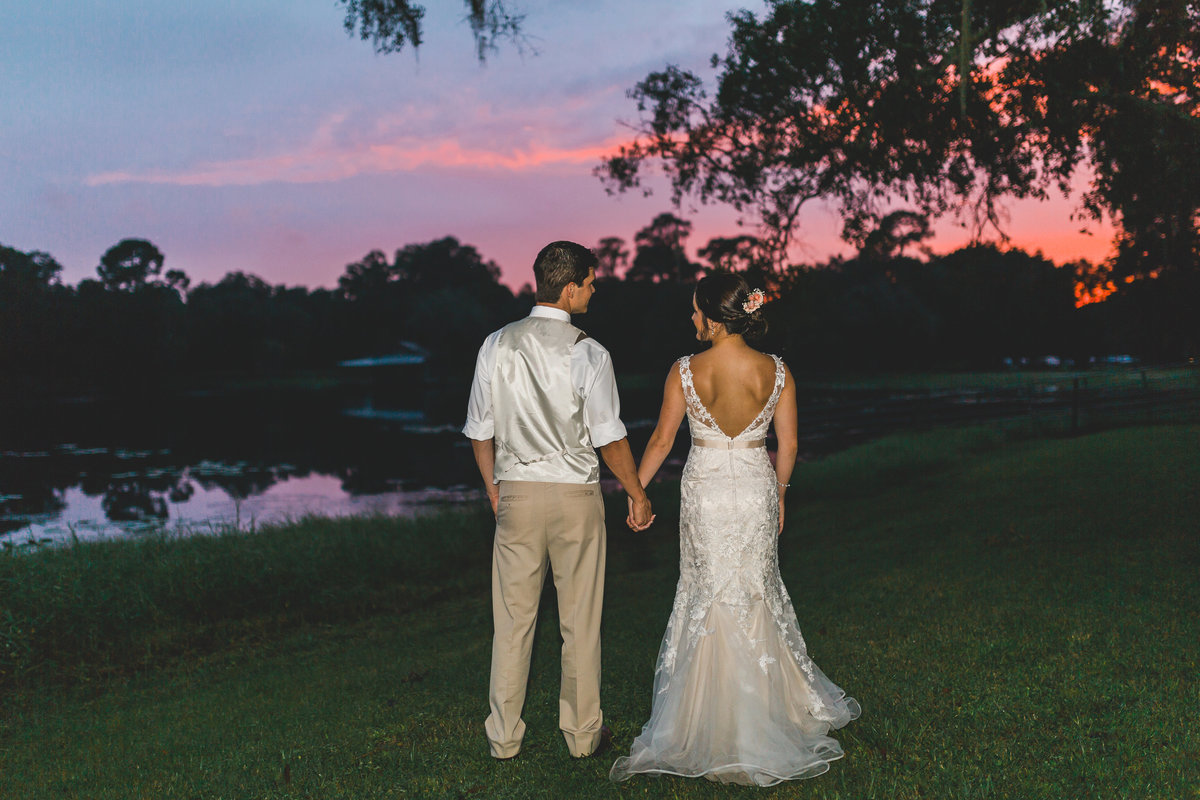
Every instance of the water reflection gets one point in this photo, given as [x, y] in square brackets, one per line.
[205, 496]
[107, 469]
[96, 470]
[132, 501]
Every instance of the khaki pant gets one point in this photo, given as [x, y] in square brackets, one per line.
[561, 524]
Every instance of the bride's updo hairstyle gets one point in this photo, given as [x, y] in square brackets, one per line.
[721, 297]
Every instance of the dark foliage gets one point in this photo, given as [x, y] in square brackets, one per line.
[390, 25]
[660, 252]
[140, 328]
[949, 107]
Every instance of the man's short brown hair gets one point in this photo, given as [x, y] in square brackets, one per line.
[558, 264]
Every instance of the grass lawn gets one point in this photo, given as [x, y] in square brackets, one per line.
[1019, 619]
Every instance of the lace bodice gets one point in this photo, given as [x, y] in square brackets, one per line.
[701, 422]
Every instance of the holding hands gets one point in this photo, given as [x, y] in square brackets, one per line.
[620, 460]
[640, 514]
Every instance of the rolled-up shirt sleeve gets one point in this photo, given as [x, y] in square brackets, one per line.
[597, 384]
[481, 424]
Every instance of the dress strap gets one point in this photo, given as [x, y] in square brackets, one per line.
[691, 398]
[685, 378]
[779, 374]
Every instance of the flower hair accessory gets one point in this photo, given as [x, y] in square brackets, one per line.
[754, 301]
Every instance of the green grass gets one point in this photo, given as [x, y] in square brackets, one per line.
[1019, 619]
[85, 612]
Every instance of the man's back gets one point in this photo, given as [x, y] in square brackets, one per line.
[540, 430]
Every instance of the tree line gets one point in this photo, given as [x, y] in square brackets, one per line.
[899, 111]
[137, 324]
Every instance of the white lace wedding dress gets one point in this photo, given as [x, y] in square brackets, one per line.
[736, 697]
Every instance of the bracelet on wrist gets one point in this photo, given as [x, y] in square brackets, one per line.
[782, 485]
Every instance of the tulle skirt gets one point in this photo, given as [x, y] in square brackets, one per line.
[736, 704]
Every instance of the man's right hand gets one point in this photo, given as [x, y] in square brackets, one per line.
[640, 514]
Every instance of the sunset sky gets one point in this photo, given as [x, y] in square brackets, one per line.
[255, 135]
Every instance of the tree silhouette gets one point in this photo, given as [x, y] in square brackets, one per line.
[967, 309]
[890, 236]
[946, 107]
[35, 319]
[366, 278]
[453, 296]
[177, 280]
[736, 253]
[660, 255]
[242, 322]
[612, 255]
[130, 325]
[129, 265]
[442, 294]
[32, 271]
[444, 262]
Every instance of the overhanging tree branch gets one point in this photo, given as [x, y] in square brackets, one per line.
[390, 25]
[950, 105]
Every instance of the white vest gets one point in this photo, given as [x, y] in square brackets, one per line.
[539, 427]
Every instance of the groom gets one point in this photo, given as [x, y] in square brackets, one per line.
[544, 396]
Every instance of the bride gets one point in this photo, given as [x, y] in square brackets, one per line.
[736, 697]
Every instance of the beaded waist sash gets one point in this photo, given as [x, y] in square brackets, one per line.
[728, 444]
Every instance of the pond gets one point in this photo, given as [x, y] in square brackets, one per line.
[200, 462]
[102, 469]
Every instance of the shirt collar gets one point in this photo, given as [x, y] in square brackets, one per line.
[550, 313]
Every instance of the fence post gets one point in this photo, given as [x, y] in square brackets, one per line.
[1146, 398]
[1074, 406]
[1084, 396]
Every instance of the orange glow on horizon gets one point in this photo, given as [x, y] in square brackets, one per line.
[1096, 294]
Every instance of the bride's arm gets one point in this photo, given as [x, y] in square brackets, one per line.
[669, 420]
[786, 428]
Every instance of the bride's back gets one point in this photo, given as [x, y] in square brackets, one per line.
[734, 384]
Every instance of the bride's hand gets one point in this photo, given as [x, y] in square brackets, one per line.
[632, 519]
[780, 531]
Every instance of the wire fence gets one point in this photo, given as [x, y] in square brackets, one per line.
[832, 417]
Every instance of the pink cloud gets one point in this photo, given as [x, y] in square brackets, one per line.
[325, 161]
